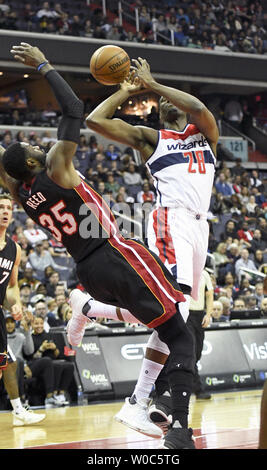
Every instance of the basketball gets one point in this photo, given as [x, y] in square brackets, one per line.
[110, 65]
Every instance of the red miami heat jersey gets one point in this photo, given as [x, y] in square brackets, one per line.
[183, 167]
[79, 218]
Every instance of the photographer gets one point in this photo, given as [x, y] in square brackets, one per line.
[45, 347]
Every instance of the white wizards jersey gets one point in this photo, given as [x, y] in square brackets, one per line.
[183, 167]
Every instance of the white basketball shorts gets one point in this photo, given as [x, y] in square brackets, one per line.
[180, 239]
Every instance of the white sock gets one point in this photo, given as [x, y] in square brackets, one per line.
[149, 373]
[100, 310]
[17, 405]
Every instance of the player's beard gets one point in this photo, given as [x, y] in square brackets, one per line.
[42, 159]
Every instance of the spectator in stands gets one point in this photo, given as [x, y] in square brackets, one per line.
[101, 172]
[239, 304]
[254, 179]
[160, 24]
[245, 287]
[28, 278]
[4, 7]
[244, 262]
[25, 294]
[47, 12]
[251, 302]
[45, 346]
[24, 243]
[222, 262]
[132, 177]
[226, 303]
[251, 206]
[41, 310]
[238, 169]
[60, 299]
[244, 195]
[217, 310]
[233, 253]
[237, 185]
[21, 343]
[7, 139]
[233, 112]
[53, 318]
[112, 152]
[222, 186]
[258, 259]
[64, 313]
[259, 293]
[264, 307]
[235, 205]
[229, 282]
[40, 293]
[146, 195]
[33, 234]
[262, 225]
[230, 230]
[259, 196]
[76, 26]
[61, 290]
[41, 365]
[41, 258]
[257, 243]
[88, 30]
[245, 234]
[112, 184]
[217, 204]
[52, 282]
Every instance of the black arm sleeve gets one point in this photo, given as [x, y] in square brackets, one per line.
[72, 107]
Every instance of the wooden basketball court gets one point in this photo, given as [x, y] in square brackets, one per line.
[229, 420]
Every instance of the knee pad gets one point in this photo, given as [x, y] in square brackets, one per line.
[155, 343]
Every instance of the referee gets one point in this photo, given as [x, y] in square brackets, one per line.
[199, 319]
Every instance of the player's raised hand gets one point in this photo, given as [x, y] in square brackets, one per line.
[142, 69]
[132, 84]
[28, 55]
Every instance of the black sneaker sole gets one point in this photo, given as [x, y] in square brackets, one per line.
[158, 414]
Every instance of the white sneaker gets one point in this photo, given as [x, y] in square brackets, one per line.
[62, 399]
[135, 416]
[78, 321]
[52, 402]
[27, 417]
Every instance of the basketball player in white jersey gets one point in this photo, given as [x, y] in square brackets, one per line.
[181, 159]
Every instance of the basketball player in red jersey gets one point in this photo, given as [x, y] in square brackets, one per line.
[181, 158]
[120, 272]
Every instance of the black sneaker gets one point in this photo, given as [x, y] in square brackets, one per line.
[160, 412]
[179, 438]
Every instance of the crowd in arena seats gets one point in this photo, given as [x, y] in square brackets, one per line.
[220, 25]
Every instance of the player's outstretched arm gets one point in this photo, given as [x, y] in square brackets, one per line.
[72, 107]
[101, 119]
[203, 118]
